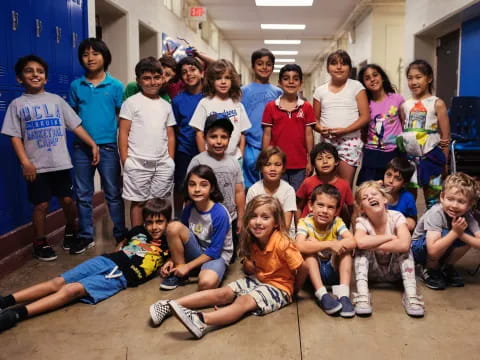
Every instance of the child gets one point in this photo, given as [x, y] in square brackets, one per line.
[385, 123]
[146, 141]
[341, 109]
[275, 267]
[426, 133]
[271, 164]
[184, 104]
[97, 97]
[203, 238]
[36, 123]
[288, 123]
[383, 254]
[324, 158]
[326, 245]
[218, 131]
[254, 97]
[446, 232]
[101, 277]
[397, 174]
[222, 91]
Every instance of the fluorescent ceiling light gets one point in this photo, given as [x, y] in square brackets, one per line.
[283, 26]
[285, 60]
[278, 66]
[284, 52]
[276, 70]
[282, 42]
[283, 2]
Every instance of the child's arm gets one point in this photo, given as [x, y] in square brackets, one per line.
[401, 244]
[411, 222]
[123, 131]
[443, 125]
[240, 204]
[368, 242]
[300, 277]
[309, 143]
[267, 136]
[242, 143]
[317, 111]
[309, 246]
[200, 140]
[473, 241]
[348, 241]
[29, 170]
[288, 218]
[437, 245]
[182, 270]
[363, 116]
[166, 269]
[171, 141]
[300, 205]
[83, 135]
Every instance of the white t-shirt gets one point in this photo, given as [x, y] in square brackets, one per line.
[148, 133]
[234, 110]
[339, 110]
[285, 194]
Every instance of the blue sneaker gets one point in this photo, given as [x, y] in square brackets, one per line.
[329, 304]
[348, 310]
[171, 282]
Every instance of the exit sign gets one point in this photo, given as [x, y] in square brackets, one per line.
[198, 13]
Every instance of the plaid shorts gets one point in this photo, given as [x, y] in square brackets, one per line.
[268, 297]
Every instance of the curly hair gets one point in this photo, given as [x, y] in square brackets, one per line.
[462, 183]
[217, 69]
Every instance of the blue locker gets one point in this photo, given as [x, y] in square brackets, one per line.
[5, 68]
[62, 45]
[79, 32]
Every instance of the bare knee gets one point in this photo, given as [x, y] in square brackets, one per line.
[73, 290]
[177, 229]
[66, 201]
[207, 279]
[41, 207]
[57, 283]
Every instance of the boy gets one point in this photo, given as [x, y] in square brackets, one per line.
[326, 244]
[184, 104]
[446, 232]
[96, 97]
[146, 141]
[397, 174]
[254, 98]
[36, 123]
[288, 123]
[324, 158]
[227, 170]
[101, 277]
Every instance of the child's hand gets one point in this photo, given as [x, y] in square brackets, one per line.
[337, 247]
[308, 169]
[29, 171]
[166, 269]
[249, 267]
[459, 225]
[180, 270]
[337, 132]
[95, 155]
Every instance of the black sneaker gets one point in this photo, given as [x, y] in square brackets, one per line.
[88, 243]
[68, 240]
[43, 251]
[452, 277]
[434, 279]
[78, 246]
[8, 319]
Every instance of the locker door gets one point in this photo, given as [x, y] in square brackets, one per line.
[78, 33]
[5, 68]
[62, 44]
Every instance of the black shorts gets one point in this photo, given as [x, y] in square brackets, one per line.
[182, 161]
[46, 185]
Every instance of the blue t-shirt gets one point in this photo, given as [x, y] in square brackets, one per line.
[406, 204]
[98, 106]
[254, 98]
[184, 105]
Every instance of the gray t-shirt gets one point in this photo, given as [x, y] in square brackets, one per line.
[435, 219]
[228, 173]
[40, 121]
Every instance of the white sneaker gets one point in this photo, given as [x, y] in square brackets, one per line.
[414, 306]
[189, 318]
[159, 311]
[363, 304]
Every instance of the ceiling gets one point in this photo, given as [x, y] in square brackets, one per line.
[239, 22]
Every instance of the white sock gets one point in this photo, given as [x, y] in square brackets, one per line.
[341, 290]
[320, 292]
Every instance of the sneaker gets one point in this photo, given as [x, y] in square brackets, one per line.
[78, 246]
[8, 319]
[452, 277]
[434, 279]
[363, 306]
[43, 251]
[413, 305]
[329, 304]
[348, 310]
[189, 318]
[68, 240]
[159, 311]
[88, 243]
[171, 282]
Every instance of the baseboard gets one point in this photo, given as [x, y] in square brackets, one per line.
[16, 245]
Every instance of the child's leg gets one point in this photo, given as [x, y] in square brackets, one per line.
[345, 268]
[456, 254]
[70, 213]
[40, 290]
[39, 218]
[231, 313]
[361, 272]
[205, 298]
[177, 235]
[346, 172]
[211, 274]
[136, 217]
[407, 268]
[314, 272]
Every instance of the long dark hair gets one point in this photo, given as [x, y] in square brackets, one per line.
[387, 85]
[204, 172]
[425, 68]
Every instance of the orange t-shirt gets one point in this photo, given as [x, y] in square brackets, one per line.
[275, 264]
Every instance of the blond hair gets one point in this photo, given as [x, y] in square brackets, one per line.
[463, 183]
[369, 184]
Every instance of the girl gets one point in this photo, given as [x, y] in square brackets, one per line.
[222, 96]
[271, 164]
[383, 254]
[275, 267]
[385, 123]
[341, 110]
[426, 133]
[203, 237]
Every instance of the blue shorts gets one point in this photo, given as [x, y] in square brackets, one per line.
[419, 248]
[250, 173]
[328, 273]
[192, 250]
[93, 275]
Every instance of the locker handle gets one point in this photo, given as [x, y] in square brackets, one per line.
[38, 27]
[74, 39]
[58, 33]
[14, 20]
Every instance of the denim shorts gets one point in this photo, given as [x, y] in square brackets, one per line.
[419, 248]
[93, 274]
[328, 273]
[192, 250]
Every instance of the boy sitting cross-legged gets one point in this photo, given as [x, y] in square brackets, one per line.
[101, 277]
[326, 244]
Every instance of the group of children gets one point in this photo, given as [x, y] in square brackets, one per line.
[211, 137]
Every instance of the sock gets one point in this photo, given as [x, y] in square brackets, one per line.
[69, 229]
[22, 312]
[7, 301]
[320, 292]
[40, 241]
[341, 290]
[200, 315]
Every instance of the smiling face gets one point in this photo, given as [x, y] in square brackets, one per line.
[393, 181]
[217, 140]
[191, 76]
[222, 84]
[33, 77]
[323, 210]
[372, 202]
[150, 83]
[373, 80]
[199, 189]
[454, 202]
[290, 82]
[338, 70]
[93, 60]
[263, 68]
[168, 74]
[262, 223]
[418, 83]
[325, 163]
[273, 170]
[156, 226]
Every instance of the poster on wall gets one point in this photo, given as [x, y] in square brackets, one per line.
[182, 47]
